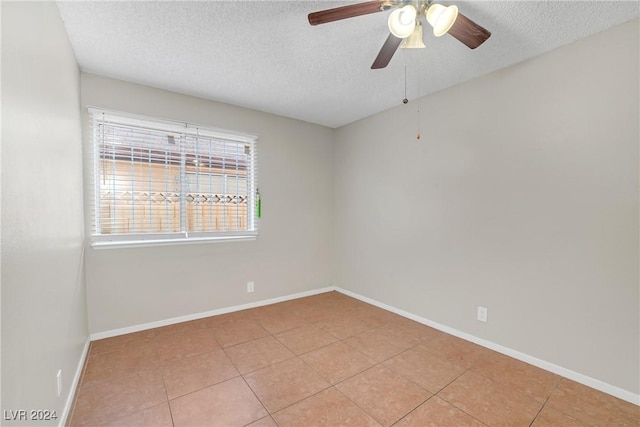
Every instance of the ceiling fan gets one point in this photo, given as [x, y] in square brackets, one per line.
[405, 26]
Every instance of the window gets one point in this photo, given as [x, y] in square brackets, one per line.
[159, 181]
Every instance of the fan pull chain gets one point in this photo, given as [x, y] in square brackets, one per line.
[404, 57]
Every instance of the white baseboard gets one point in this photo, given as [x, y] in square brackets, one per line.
[74, 384]
[180, 319]
[547, 366]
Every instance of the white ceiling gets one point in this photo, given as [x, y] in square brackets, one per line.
[264, 55]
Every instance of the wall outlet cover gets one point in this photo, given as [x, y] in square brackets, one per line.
[482, 314]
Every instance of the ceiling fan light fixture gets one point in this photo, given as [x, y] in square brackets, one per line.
[402, 22]
[415, 40]
[441, 18]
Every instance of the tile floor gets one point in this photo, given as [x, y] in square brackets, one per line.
[324, 360]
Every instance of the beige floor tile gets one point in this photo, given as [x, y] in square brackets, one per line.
[456, 350]
[304, 339]
[126, 379]
[136, 356]
[344, 326]
[313, 313]
[105, 402]
[372, 322]
[156, 416]
[383, 394]
[257, 354]
[592, 406]
[413, 332]
[182, 344]
[264, 311]
[549, 417]
[490, 402]
[237, 332]
[121, 342]
[182, 327]
[364, 309]
[425, 368]
[354, 305]
[183, 376]
[327, 408]
[377, 345]
[285, 383]
[222, 319]
[342, 304]
[517, 375]
[231, 403]
[291, 306]
[436, 412]
[281, 322]
[263, 422]
[374, 317]
[337, 362]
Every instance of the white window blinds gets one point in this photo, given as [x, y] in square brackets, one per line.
[160, 181]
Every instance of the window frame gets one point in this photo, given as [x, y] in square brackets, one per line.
[98, 116]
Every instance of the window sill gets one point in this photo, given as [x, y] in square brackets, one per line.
[118, 244]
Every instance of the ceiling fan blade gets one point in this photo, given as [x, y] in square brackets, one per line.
[386, 52]
[468, 32]
[350, 11]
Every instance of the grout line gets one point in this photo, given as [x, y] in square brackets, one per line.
[451, 403]
[352, 314]
[202, 388]
[545, 402]
[270, 414]
[163, 363]
[311, 367]
[380, 364]
[451, 382]
[154, 344]
[164, 382]
[525, 395]
[301, 400]
[413, 410]
[197, 316]
[259, 419]
[173, 422]
[257, 397]
[245, 342]
[358, 406]
[583, 379]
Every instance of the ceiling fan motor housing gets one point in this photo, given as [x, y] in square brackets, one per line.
[404, 21]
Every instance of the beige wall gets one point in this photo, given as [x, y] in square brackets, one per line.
[128, 287]
[44, 322]
[521, 196]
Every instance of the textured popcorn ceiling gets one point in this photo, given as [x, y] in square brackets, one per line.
[264, 55]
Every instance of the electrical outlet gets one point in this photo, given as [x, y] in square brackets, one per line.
[482, 314]
[250, 287]
[59, 381]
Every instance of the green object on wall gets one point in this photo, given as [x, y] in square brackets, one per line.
[258, 203]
